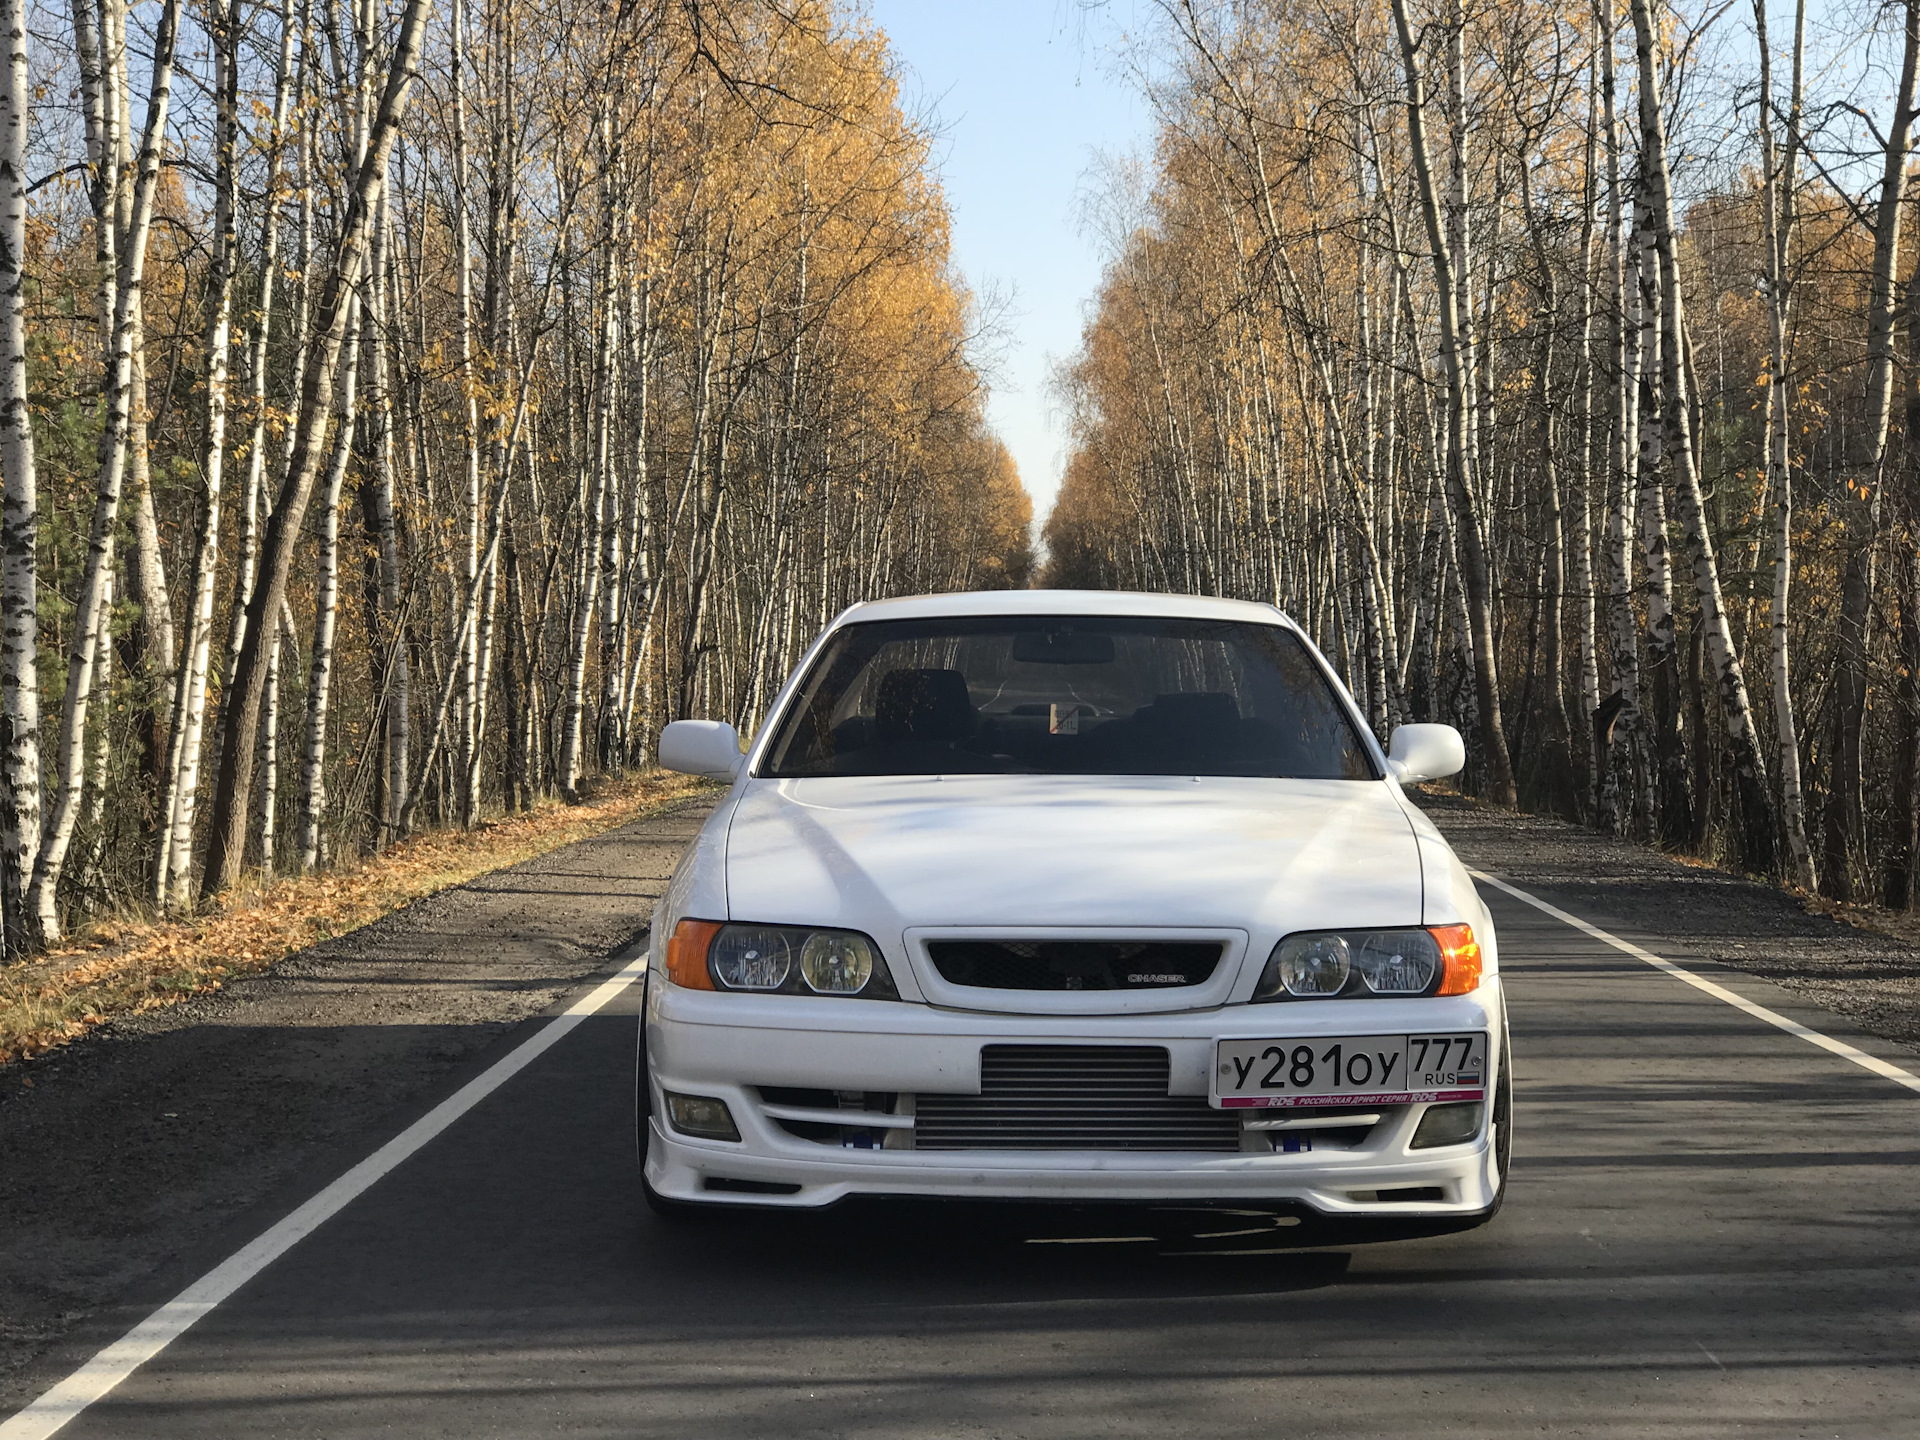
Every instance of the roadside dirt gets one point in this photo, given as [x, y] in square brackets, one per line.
[122, 1153]
[1693, 912]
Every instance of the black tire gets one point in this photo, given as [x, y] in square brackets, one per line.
[1502, 1158]
[1502, 1124]
[642, 1092]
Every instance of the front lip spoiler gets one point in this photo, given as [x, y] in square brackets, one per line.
[1316, 1229]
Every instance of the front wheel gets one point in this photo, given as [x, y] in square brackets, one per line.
[1502, 1125]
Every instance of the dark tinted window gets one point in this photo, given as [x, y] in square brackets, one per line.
[1092, 695]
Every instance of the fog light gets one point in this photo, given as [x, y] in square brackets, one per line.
[1448, 1125]
[701, 1115]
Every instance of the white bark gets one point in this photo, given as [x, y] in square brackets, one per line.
[19, 516]
[326, 583]
[1777, 174]
[174, 863]
[70, 771]
[1456, 357]
[592, 521]
[1622, 624]
[394, 657]
[100, 739]
[466, 657]
[1749, 763]
[241, 709]
[1586, 636]
[283, 635]
[326, 609]
[257, 500]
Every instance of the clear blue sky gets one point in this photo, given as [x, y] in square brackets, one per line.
[1025, 93]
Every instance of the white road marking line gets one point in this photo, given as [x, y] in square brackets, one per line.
[95, 1379]
[1883, 1068]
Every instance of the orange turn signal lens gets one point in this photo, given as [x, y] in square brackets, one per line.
[1460, 959]
[687, 954]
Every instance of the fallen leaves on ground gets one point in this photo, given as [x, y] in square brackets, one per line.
[127, 966]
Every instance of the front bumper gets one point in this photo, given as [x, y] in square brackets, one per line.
[733, 1047]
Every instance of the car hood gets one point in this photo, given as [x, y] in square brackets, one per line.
[888, 854]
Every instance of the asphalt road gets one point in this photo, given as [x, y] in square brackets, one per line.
[1711, 1229]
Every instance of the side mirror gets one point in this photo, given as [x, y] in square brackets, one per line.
[1421, 752]
[702, 747]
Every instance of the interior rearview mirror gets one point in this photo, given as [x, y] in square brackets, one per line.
[1062, 647]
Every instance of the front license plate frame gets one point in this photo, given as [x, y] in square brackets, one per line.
[1413, 1068]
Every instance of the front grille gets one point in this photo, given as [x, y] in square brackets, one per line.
[1074, 964]
[1073, 1097]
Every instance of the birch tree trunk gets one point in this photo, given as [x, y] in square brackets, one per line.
[593, 524]
[91, 875]
[1756, 804]
[1617, 721]
[149, 640]
[1558, 764]
[1667, 804]
[19, 519]
[1777, 208]
[70, 770]
[269, 742]
[241, 711]
[468, 658]
[1844, 835]
[326, 608]
[326, 605]
[1901, 878]
[174, 862]
[1586, 636]
[256, 499]
[389, 639]
[1475, 575]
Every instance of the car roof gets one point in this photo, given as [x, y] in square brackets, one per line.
[1062, 602]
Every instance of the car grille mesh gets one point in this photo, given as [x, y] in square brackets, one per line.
[1073, 1097]
[1074, 964]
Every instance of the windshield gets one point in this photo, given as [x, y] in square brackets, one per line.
[1067, 695]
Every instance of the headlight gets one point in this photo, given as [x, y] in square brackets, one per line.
[1312, 964]
[1397, 962]
[837, 962]
[751, 957]
[1320, 965]
[777, 959]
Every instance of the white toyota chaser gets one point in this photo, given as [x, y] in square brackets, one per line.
[1073, 896]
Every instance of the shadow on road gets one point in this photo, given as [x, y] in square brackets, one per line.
[1015, 1251]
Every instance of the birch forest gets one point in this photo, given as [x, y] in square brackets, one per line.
[1559, 369]
[410, 407]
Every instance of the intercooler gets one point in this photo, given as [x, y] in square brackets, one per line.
[1073, 1097]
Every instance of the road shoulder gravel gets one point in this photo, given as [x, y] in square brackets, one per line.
[123, 1155]
[1693, 913]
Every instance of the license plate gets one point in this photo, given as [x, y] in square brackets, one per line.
[1350, 1070]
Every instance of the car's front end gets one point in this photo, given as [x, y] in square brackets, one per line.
[823, 1099]
[1257, 989]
